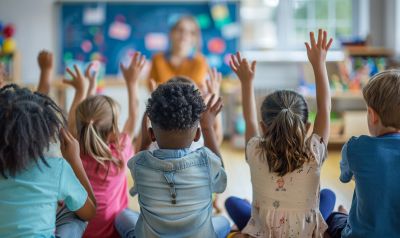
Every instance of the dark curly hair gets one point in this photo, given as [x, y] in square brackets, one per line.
[175, 106]
[29, 123]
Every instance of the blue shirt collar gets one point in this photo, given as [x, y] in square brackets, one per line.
[171, 154]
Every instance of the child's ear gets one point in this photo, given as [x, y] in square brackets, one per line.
[151, 134]
[373, 116]
[198, 135]
[263, 127]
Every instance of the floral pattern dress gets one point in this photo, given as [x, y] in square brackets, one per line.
[286, 206]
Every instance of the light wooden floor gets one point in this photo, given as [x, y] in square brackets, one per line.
[239, 178]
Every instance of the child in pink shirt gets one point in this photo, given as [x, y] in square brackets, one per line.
[105, 150]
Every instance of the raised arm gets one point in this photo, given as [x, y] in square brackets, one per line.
[80, 84]
[131, 76]
[92, 79]
[316, 52]
[245, 73]
[45, 62]
[207, 122]
[70, 151]
[214, 87]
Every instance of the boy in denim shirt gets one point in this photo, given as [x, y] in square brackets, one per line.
[173, 183]
[374, 162]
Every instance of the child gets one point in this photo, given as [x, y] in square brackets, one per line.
[175, 184]
[104, 150]
[33, 174]
[374, 162]
[284, 164]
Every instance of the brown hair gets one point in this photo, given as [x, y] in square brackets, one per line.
[382, 93]
[96, 119]
[285, 114]
[198, 44]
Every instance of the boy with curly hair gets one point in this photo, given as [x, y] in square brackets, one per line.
[175, 184]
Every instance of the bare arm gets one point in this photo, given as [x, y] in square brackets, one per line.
[45, 61]
[207, 122]
[131, 76]
[80, 85]
[214, 87]
[92, 78]
[317, 57]
[245, 73]
[70, 151]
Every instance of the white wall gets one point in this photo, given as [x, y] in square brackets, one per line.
[35, 30]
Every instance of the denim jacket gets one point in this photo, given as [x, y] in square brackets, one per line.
[174, 190]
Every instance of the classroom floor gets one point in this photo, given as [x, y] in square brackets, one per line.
[239, 183]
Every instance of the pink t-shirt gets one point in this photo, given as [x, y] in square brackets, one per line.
[111, 192]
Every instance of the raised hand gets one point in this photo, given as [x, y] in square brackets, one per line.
[214, 84]
[69, 146]
[213, 108]
[92, 79]
[242, 68]
[78, 81]
[45, 60]
[317, 50]
[132, 72]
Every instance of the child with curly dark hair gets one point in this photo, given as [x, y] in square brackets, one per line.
[34, 176]
[175, 184]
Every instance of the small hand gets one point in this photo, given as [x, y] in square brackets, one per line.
[69, 146]
[153, 85]
[78, 81]
[45, 60]
[92, 78]
[242, 68]
[132, 72]
[214, 84]
[317, 51]
[208, 116]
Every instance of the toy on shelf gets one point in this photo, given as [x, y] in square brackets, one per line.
[7, 43]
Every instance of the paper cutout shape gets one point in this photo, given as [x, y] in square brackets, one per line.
[214, 60]
[216, 45]
[94, 15]
[220, 14]
[86, 46]
[156, 41]
[119, 31]
[204, 21]
[231, 31]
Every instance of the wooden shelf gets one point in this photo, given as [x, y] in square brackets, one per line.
[368, 51]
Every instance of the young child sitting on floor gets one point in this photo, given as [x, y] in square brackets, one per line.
[105, 150]
[284, 164]
[175, 184]
[374, 163]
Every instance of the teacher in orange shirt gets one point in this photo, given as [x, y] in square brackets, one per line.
[183, 57]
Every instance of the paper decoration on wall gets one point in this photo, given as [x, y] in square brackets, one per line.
[94, 15]
[220, 14]
[227, 58]
[99, 39]
[96, 56]
[156, 41]
[204, 21]
[231, 31]
[214, 60]
[86, 46]
[119, 30]
[216, 45]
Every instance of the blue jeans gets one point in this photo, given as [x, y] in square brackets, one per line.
[240, 210]
[125, 224]
[68, 224]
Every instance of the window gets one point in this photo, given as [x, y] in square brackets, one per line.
[284, 24]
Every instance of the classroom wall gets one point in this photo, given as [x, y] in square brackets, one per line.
[35, 23]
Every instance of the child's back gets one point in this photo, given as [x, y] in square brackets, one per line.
[175, 188]
[375, 164]
[29, 210]
[285, 205]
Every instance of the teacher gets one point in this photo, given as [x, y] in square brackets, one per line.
[183, 57]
